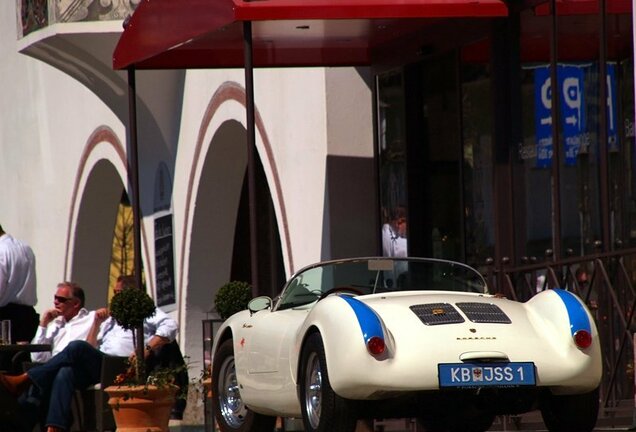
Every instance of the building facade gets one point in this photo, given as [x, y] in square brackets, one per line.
[450, 141]
[64, 164]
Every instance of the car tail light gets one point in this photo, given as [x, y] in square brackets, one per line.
[583, 339]
[376, 345]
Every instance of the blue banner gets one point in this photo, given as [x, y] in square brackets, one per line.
[571, 83]
[543, 116]
[572, 105]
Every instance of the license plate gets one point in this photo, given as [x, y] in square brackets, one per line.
[486, 375]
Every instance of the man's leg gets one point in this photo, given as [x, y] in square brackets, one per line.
[169, 356]
[85, 360]
[59, 413]
[33, 408]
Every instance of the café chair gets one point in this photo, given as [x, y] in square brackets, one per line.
[92, 412]
[90, 408]
[20, 361]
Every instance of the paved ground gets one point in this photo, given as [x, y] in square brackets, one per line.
[618, 419]
[201, 429]
[190, 428]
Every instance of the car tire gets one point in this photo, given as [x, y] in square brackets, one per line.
[570, 413]
[322, 409]
[231, 414]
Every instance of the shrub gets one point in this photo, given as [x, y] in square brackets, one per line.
[131, 307]
[232, 297]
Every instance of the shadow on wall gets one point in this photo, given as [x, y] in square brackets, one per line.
[94, 233]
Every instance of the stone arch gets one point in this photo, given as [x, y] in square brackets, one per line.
[215, 180]
[97, 189]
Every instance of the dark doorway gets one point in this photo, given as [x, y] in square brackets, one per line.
[271, 270]
[434, 158]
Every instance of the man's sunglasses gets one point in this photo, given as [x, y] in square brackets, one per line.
[61, 299]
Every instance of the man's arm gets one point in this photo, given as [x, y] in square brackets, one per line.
[100, 316]
[42, 336]
[165, 331]
[49, 316]
[154, 343]
[160, 324]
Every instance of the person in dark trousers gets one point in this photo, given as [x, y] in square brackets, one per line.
[17, 290]
[79, 365]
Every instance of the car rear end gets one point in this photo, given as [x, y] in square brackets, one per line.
[444, 341]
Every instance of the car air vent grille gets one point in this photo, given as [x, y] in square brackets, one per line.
[437, 313]
[484, 313]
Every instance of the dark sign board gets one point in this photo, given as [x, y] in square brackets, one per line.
[164, 261]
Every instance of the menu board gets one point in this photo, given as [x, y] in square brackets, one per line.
[164, 261]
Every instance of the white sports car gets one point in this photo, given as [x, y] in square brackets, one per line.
[383, 337]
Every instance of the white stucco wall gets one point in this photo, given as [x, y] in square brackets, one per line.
[291, 105]
[46, 118]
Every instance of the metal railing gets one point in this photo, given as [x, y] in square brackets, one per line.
[605, 281]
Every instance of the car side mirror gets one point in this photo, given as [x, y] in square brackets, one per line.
[259, 304]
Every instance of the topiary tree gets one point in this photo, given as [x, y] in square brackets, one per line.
[130, 308]
[232, 297]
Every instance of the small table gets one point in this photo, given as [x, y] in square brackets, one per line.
[16, 348]
[13, 356]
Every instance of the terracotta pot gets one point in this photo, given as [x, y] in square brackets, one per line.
[141, 408]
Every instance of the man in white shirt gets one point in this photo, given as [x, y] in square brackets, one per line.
[394, 236]
[78, 365]
[110, 338]
[67, 321]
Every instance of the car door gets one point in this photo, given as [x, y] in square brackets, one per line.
[267, 338]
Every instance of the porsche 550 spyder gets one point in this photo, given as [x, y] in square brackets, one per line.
[412, 337]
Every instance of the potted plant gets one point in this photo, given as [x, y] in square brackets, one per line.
[232, 297]
[140, 399]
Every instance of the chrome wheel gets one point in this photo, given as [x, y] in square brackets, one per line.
[322, 409]
[313, 390]
[230, 404]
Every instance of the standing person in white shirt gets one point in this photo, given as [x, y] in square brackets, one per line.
[68, 320]
[394, 235]
[18, 287]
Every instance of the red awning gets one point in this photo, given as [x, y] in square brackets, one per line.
[170, 34]
[585, 7]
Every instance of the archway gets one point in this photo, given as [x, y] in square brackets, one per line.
[94, 226]
[219, 244]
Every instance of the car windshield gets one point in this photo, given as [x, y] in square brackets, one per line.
[379, 275]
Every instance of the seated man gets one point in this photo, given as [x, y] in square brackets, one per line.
[79, 364]
[113, 339]
[163, 354]
[68, 320]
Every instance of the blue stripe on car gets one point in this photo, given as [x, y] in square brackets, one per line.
[368, 320]
[576, 312]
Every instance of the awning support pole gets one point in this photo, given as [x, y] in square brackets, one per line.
[556, 136]
[251, 151]
[133, 182]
